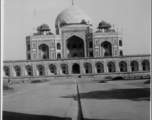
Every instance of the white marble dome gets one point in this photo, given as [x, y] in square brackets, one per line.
[73, 14]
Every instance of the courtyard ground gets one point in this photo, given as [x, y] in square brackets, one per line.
[57, 99]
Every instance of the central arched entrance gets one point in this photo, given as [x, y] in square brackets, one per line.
[76, 68]
[75, 47]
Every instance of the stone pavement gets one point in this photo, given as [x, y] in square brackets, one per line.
[115, 100]
[57, 100]
[45, 99]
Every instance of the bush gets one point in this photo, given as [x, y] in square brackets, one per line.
[36, 81]
[118, 78]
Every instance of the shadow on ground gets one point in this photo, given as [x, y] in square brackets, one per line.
[136, 94]
[21, 116]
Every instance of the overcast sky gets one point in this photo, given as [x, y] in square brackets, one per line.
[133, 16]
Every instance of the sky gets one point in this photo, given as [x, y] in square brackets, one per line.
[131, 16]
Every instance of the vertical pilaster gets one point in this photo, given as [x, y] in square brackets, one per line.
[82, 67]
[46, 69]
[34, 69]
[105, 66]
[69, 67]
[12, 71]
[93, 67]
[139, 64]
[128, 66]
[117, 66]
[58, 67]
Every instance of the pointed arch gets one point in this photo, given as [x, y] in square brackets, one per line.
[58, 46]
[41, 70]
[99, 67]
[43, 51]
[88, 68]
[134, 66]
[76, 68]
[52, 69]
[107, 48]
[123, 66]
[75, 45]
[145, 65]
[29, 70]
[111, 67]
[17, 70]
[64, 68]
[6, 71]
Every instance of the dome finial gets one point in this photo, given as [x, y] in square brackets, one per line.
[72, 2]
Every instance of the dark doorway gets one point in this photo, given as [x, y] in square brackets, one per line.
[76, 69]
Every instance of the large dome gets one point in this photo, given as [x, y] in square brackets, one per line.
[73, 14]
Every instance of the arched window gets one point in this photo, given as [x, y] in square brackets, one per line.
[90, 44]
[58, 55]
[91, 54]
[134, 66]
[41, 70]
[88, 68]
[17, 70]
[58, 46]
[120, 43]
[121, 53]
[7, 71]
[111, 67]
[29, 70]
[123, 66]
[52, 69]
[28, 47]
[64, 69]
[99, 67]
[145, 65]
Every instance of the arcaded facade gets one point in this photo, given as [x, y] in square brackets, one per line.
[75, 49]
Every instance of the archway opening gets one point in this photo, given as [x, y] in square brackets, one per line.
[17, 70]
[123, 66]
[29, 70]
[107, 48]
[76, 69]
[111, 67]
[99, 67]
[145, 65]
[52, 69]
[44, 51]
[88, 68]
[75, 47]
[64, 69]
[41, 70]
[134, 66]
[7, 71]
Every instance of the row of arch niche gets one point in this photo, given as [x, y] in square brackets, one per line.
[76, 68]
[75, 47]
